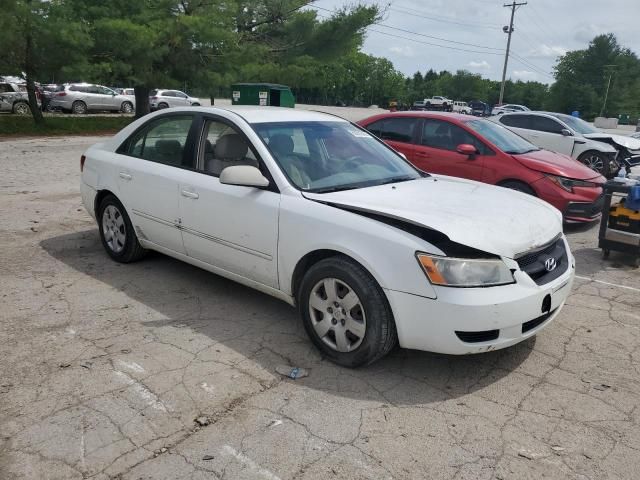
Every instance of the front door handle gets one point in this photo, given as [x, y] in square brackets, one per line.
[125, 176]
[188, 194]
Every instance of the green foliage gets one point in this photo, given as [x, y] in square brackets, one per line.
[582, 77]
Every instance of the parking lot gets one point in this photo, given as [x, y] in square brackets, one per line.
[159, 370]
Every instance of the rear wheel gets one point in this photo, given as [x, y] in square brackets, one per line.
[116, 232]
[346, 313]
[21, 108]
[79, 107]
[518, 186]
[162, 106]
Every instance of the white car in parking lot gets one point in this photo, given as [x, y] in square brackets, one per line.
[159, 99]
[508, 107]
[565, 134]
[315, 211]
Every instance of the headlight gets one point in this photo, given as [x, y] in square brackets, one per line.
[464, 272]
[568, 183]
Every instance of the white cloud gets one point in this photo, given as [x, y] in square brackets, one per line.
[524, 75]
[586, 32]
[403, 51]
[546, 51]
[482, 65]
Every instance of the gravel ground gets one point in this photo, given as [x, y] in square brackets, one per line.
[159, 370]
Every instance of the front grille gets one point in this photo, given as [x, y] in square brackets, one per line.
[585, 210]
[477, 337]
[533, 263]
[531, 324]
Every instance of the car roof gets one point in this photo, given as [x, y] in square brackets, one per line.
[423, 114]
[256, 114]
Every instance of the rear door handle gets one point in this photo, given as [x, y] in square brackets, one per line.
[188, 194]
[125, 176]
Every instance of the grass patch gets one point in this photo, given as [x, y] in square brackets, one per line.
[14, 125]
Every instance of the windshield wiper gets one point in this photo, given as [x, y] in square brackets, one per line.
[403, 178]
[339, 188]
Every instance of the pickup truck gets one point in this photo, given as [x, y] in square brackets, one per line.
[14, 98]
[434, 103]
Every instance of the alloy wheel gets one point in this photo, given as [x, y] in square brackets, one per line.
[337, 315]
[594, 162]
[113, 229]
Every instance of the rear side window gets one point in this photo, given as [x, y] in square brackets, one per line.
[399, 129]
[78, 88]
[545, 124]
[4, 88]
[162, 141]
[516, 121]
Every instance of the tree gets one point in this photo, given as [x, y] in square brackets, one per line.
[38, 38]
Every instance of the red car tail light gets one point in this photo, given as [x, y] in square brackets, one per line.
[61, 94]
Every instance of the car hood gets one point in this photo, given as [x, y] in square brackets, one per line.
[488, 218]
[554, 163]
[626, 142]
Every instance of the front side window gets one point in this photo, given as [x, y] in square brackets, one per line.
[168, 93]
[162, 141]
[447, 136]
[577, 124]
[105, 91]
[223, 146]
[180, 94]
[398, 129]
[330, 156]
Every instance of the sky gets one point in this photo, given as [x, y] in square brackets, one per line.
[416, 32]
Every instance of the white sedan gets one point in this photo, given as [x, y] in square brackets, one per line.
[316, 211]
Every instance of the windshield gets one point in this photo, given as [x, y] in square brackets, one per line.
[501, 137]
[330, 156]
[577, 124]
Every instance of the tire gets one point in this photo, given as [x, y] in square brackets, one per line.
[595, 161]
[359, 303]
[518, 186]
[79, 107]
[21, 108]
[116, 231]
[195, 104]
[162, 106]
[127, 107]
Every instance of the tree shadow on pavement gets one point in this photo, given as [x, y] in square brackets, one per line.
[264, 330]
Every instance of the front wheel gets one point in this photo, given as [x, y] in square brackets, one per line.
[518, 186]
[596, 161]
[116, 231]
[127, 107]
[346, 313]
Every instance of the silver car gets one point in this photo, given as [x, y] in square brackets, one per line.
[159, 99]
[82, 97]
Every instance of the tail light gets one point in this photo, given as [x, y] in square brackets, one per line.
[82, 159]
[61, 94]
[154, 98]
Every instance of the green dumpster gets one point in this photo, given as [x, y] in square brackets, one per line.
[623, 119]
[263, 94]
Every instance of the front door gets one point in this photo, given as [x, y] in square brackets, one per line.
[437, 150]
[149, 182]
[231, 227]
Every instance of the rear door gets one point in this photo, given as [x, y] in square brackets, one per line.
[398, 132]
[152, 165]
[436, 151]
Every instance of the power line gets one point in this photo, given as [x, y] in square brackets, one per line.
[420, 34]
[416, 13]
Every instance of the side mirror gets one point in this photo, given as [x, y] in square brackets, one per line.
[243, 175]
[467, 149]
[566, 132]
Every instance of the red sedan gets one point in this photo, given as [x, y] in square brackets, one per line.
[477, 149]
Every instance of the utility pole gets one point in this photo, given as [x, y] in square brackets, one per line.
[508, 30]
[606, 94]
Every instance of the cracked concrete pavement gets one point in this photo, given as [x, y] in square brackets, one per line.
[106, 366]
